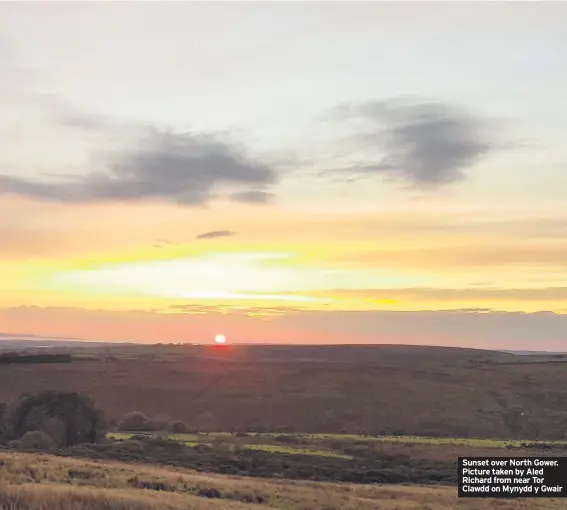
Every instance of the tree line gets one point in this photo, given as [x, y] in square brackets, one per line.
[8, 358]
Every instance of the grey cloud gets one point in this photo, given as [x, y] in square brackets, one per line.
[253, 197]
[178, 168]
[215, 234]
[424, 143]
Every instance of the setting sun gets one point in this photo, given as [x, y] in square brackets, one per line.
[220, 339]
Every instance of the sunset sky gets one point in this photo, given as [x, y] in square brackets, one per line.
[285, 172]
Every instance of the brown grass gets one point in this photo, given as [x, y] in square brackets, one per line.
[43, 482]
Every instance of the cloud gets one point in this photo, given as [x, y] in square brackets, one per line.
[427, 144]
[492, 294]
[115, 161]
[161, 243]
[180, 168]
[253, 197]
[215, 234]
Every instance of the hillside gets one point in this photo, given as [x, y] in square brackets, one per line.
[417, 391]
[37, 482]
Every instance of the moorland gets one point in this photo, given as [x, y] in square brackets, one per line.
[283, 427]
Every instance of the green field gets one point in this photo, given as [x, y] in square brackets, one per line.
[342, 446]
[195, 440]
[455, 441]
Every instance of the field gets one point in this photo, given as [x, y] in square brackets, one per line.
[287, 428]
[40, 482]
[332, 445]
[381, 390]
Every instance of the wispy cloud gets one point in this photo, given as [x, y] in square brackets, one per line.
[215, 234]
[253, 197]
[160, 243]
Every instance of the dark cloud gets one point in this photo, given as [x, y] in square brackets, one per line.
[144, 163]
[215, 234]
[423, 143]
[159, 165]
[253, 197]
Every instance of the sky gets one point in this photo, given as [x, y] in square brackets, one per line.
[294, 172]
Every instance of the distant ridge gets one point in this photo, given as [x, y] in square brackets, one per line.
[538, 353]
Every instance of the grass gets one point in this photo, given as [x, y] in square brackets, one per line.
[44, 482]
[195, 440]
[296, 451]
[457, 441]
[251, 441]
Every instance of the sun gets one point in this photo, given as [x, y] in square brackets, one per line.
[220, 339]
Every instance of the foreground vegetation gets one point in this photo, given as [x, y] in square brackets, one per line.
[40, 482]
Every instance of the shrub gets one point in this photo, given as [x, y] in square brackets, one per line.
[135, 422]
[179, 427]
[38, 440]
[69, 417]
[16, 444]
[211, 492]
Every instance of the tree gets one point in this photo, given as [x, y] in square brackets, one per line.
[68, 417]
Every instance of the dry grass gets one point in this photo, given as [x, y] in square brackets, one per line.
[44, 482]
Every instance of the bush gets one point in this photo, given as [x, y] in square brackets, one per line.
[70, 418]
[210, 492]
[38, 440]
[135, 422]
[179, 427]
[16, 444]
